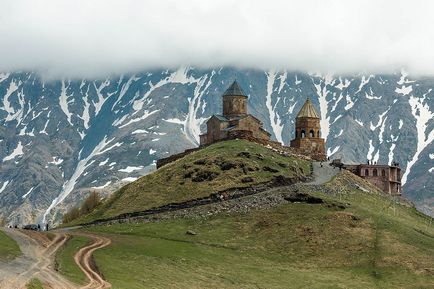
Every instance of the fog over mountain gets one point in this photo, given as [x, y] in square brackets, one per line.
[65, 38]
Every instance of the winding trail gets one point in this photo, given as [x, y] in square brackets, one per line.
[38, 257]
[84, 259]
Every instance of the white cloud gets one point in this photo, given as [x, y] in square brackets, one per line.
[94, 38]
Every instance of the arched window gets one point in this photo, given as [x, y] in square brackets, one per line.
[303, 133]
[383, 173]
[318, 134]
[375, 173]
[311, 133]
[366, 172]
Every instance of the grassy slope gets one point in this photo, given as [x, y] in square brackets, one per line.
[35, 284]
[8, 248]
[65, 259]
[374, 243]
[169, 183]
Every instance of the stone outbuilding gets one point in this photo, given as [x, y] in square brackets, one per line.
[308, 132]
[235, 122]
[385, 177]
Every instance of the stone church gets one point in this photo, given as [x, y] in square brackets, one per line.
[235, 122]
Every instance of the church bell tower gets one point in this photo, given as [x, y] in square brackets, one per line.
[308, 132]
[234, 101]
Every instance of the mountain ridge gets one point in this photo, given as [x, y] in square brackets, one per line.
[67, 136]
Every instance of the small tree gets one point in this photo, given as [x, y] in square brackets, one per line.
[71, 215]
[90, 203]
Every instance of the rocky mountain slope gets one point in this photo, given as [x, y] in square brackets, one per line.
[59, 138]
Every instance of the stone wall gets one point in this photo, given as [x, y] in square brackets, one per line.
[172, 158]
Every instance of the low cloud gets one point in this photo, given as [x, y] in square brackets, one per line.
[94, 38]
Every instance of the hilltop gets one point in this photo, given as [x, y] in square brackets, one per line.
[217, 168]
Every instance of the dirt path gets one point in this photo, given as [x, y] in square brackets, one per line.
[322, 174]
[84, 260]
[37, 261]
[38, 258]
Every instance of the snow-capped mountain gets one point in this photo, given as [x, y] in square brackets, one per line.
[60, 138]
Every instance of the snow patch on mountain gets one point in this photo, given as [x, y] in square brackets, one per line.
[18, 151]
[275, 121]
[6, 104]
[130, 169]
[370, 150]
[4, 76]
[101, 99]
[343, 83]
[145, 115]
[192, 122]
[103, 163]
[3, 187]
[63, 102]
[102, 186]
[174, 120]
[129, 179]
[423, 115]
[359, 122]
[28, 193]
[140, 131]
[332, 152]
[391, 154]
[56, 161]
[380, 121]
[322, 92]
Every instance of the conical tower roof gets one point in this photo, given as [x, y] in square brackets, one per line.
[234, 89]
[308, 110]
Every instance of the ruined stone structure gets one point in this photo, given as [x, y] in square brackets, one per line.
[385, 177]
[308, 133]
[235, 122]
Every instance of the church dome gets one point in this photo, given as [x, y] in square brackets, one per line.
[308, 110]
[234, 90]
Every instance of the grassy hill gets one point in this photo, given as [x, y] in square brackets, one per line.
[224, 165]
[352, 239]
[342, 234]
[8, 248]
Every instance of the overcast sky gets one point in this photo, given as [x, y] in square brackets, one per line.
[85, 38]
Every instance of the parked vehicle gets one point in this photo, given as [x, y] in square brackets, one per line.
[32, 227]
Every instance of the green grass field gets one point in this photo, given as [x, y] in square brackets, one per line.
[65, 263]
[8, 248]
[35, 284]
[373, 243]
[178, 181]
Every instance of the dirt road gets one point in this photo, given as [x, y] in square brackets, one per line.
[38, 257]
[85, 261]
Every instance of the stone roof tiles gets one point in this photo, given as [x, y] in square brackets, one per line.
[308, 110]
[234, 89]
